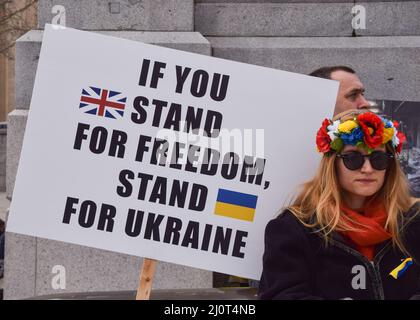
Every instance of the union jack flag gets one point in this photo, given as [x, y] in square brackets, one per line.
[102, 102]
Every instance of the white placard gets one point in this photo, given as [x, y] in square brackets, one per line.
[107, 112]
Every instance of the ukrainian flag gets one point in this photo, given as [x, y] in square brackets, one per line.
[398, 271]
[235, 205]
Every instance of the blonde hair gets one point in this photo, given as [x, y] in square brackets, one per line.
[318, 204]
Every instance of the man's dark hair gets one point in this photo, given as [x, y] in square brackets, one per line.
[325, 72]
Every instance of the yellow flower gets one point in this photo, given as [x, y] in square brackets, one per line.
[347, 126]
[388, 134]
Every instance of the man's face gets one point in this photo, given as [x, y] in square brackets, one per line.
[350, 93]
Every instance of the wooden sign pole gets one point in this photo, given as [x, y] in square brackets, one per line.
[146, 279]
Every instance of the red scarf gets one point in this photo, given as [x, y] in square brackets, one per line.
[370, 225]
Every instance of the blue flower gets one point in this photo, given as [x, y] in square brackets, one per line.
[353, 137]
[388, 124]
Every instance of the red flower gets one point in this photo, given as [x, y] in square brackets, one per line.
[323, 140]
[373, 129]
[402, 138]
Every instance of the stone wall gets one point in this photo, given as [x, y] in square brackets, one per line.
[294, 35]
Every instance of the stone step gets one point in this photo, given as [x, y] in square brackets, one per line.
[29, 266]
[15, 131]
[388, 66]
[306, 18]
[293, 1]
[397, 18]
[28, 47]
[145, 15]
[19, 266]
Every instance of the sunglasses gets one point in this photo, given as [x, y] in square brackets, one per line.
[355, 160]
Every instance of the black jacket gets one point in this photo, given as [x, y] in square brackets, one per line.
[298, 265]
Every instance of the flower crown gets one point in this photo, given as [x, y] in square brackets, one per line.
[366, 130]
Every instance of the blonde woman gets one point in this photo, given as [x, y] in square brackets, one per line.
[353, 232]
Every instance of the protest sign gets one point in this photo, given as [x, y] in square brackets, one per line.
[160, 153]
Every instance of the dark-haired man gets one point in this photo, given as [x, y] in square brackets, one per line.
[351, 91]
